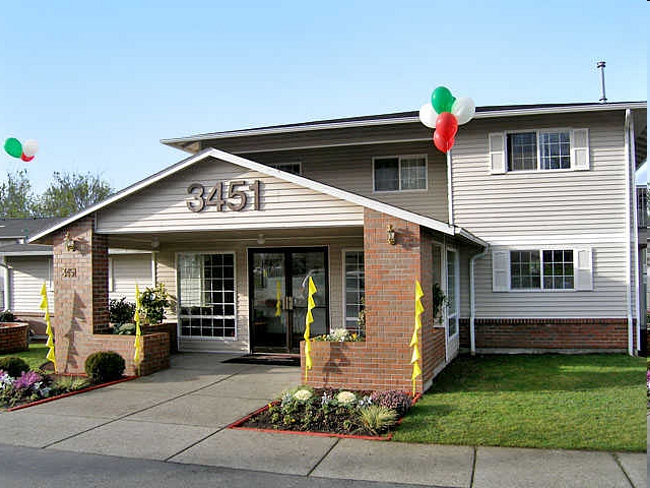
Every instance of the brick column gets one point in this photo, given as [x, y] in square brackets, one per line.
[81, 292]
[383, 361]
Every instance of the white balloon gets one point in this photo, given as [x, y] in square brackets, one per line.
[428, 116]
[30, 147]
[464, 109]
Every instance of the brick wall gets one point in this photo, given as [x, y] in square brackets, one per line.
[81, 304]
[13, 337]
[383, 360]
[547, 333]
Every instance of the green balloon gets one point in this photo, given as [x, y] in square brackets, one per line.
[442, 99]
[13, 147]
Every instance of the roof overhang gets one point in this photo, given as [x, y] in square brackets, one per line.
[360, 200]
[190, 143]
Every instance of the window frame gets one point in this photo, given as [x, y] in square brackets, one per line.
[540, 251]
[235, 316]
[344, 252]
[399, 158]
[456, 282]
[538, 156]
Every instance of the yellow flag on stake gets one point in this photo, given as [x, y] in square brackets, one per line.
[311, 304]
[51, 355]
[415, 339]
[137, 356]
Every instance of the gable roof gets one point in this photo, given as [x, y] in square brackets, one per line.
[298, 180]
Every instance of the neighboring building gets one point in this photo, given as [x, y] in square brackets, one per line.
[529, 231]
[25, 267]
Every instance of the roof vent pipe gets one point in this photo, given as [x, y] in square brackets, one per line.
[601, 65]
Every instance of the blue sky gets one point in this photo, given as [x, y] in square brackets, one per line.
[99, 85]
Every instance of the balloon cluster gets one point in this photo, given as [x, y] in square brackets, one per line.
[26, 151]
[444, 114]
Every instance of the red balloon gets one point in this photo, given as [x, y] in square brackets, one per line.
[441, 143]
[447, 125]
[27, 159]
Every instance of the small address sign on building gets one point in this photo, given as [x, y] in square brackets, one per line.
[235, 198]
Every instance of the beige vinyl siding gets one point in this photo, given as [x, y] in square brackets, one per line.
[350, 168]
[127, 270]
[162, 206]
[27, 277]
[558, 209]
[338, 240]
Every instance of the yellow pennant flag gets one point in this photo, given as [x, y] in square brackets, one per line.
[415, 339]
[51, 355]
[311, 304]
[137, 356]
[278, 303]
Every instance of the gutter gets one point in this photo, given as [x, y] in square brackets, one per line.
[472, 299]
[628, 242]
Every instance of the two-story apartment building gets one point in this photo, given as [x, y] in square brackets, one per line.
[528, 227]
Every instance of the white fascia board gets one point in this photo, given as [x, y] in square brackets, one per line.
[596, 107]
[114, 251]
[26, 254]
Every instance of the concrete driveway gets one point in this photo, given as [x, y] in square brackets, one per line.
[179, 415]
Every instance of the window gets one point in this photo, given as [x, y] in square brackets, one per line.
[207, 295]
[399, 173]
[354, 288]
[529, 151]
[452, 292]
[539, 150]
[293, 168]
[547, 270]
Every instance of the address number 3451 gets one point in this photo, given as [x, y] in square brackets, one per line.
[235, 198]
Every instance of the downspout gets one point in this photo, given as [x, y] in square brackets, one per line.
[450, 197]
[7, 282]
[635, 237]
[472, 300]
[628, 241]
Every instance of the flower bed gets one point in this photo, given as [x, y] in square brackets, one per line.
[328, 411]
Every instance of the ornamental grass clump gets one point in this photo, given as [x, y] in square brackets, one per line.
[377, 418]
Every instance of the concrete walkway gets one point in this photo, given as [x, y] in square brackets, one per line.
[179, 416]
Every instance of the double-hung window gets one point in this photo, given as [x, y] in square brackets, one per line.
[539, 150]
[400, 173]
[542, 269]
[206, 295]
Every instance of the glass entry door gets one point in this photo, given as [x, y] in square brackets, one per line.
[279, 290]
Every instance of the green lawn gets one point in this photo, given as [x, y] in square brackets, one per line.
[34, 356]
[568, 402]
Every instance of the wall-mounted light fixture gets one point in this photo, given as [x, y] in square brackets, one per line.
[390, 235]
[70, 244]
[155, 243]
[260, 239]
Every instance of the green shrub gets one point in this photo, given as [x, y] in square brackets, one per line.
[124, 329]
[7, 316]
[13, 366]
[120, 311]
[103, 366]
[377, 419]
[153, 302]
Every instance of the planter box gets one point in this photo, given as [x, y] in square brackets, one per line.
[13, 337]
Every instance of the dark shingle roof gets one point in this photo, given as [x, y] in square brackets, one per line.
[19, 228]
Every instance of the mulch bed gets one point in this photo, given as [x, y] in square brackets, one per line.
[331, 426]
[65, 395]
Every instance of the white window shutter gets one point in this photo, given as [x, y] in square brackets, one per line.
[580, 149]
[497, 152]
[583, 269]
[501, 271]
